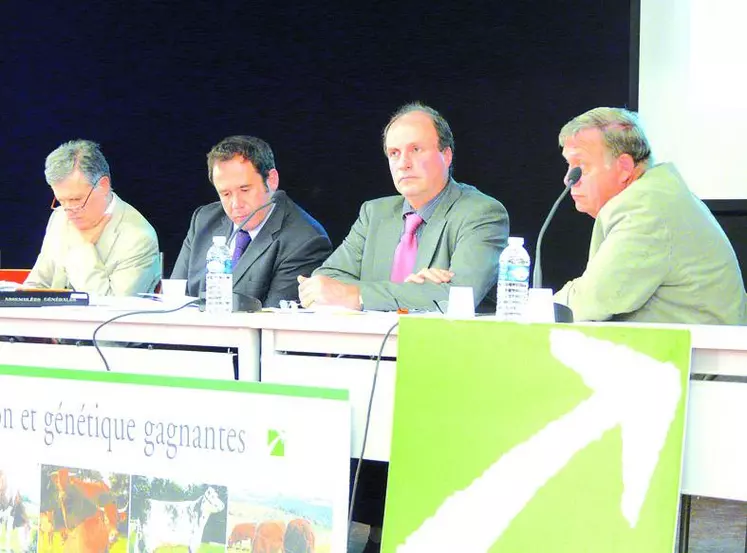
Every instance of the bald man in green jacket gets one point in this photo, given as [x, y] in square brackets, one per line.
[460, 233]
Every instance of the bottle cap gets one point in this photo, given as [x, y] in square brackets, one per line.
[219, 240]
[515, 241]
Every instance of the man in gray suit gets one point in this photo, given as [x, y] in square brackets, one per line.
[657, 253]
[457, 238]
[458, 235]
[95, 241]
[278, 242]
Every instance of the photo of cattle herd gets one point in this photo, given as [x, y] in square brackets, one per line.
[55, 509]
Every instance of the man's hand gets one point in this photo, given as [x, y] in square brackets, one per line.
[91, 235]
[323, 290]
[437, 276]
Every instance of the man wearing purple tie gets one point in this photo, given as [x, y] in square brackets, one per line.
[406, 251]
[278, 242]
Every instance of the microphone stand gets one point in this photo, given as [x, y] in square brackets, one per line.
[243, 302]
[273, 199]
[562, 313]
[537, 274]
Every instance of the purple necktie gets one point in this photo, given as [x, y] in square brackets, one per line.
[242, 241]
[404, 255]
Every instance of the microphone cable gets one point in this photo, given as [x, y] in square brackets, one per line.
[365, 429]
[129, 313]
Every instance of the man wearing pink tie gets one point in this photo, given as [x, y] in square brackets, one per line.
[406, 251]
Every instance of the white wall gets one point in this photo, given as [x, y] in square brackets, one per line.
[693, 90]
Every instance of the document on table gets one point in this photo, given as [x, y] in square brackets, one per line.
[143, 302]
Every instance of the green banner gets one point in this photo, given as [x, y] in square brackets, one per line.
[522, 438]
[98, 461]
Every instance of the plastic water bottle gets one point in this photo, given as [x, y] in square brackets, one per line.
[513, 281]
[219, 280]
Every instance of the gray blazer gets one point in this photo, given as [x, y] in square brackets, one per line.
[290, 243]
[657, 254]
[466, 234]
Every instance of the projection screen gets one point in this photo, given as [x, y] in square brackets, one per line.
[692, 92]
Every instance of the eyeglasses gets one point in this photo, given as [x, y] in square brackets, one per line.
[75, 208]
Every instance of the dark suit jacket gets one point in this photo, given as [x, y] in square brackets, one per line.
[290, 243]
[466, 233]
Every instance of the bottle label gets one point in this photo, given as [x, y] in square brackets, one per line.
[518, 273]
[215, 266]
[514, 273]
[218, 265]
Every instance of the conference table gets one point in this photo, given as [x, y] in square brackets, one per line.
[338, 349]
[183, 343]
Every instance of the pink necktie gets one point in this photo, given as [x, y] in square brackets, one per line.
[404, 255]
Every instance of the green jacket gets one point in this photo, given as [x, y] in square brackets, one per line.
[657, 254]
[466, 234]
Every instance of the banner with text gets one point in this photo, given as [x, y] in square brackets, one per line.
[514, 438]
[93, 462]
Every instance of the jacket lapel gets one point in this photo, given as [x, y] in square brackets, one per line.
[433, 230]
[104, 245]
[108, 237]
[264, 239]
[225, 229]
[389, 231]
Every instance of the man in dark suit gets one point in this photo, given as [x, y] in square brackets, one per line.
[278, 243]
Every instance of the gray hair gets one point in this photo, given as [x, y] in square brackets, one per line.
[443, 130]
[621, 130]
[83, 155]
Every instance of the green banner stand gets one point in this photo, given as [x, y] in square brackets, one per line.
[515, 438]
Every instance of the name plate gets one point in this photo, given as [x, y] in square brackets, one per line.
[42, 298]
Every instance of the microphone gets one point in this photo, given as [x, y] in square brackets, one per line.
[573, 177]
[243, 302]
[273, 199]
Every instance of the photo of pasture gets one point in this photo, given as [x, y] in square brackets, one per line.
[82, 511]
[177, 517]
[277, 524]
[19, 507]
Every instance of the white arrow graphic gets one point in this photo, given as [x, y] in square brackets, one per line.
[630, 389]
[275, 440]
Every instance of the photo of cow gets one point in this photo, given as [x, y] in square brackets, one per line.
[82, 511]
[19, 508]
[277, 524]
[173, 517]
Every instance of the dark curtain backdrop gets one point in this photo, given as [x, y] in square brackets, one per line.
[158, 83]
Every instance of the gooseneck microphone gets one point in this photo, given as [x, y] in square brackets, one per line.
[243, 302]
[273, 199]
[573, 177]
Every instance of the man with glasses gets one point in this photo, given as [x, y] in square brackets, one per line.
[95, 242]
